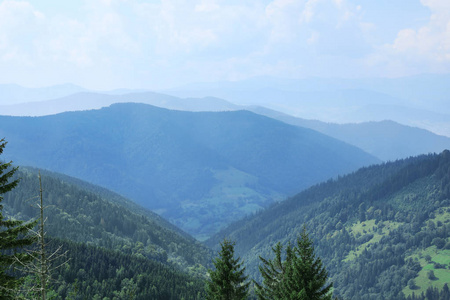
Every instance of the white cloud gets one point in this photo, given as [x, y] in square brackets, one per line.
[112, 43]
[19, 24]
[426, 49]
[64, 47]
[207, 6]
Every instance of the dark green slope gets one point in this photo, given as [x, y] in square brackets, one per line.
[375, 229]
[102, 219]
[112, 197]
[98, 273]
[200, 170]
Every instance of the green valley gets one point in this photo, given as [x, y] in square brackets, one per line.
[174, 162]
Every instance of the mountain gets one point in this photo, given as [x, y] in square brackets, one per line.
[83, 213]
[420, 101]
[90, 100]
[427, 91]
[13, 93]
[200, 170]
[437, 122]
[386, 140]
[379, 230]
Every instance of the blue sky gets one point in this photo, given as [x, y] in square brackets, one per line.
[106, 44]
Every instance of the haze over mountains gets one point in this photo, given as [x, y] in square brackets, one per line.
[419, 101]
[162, 127]
[205, 163]
[13, 93]
[325, 99]
[387, 140]
[370, 100]
[218, 173]
[200, 170]
[91, 100]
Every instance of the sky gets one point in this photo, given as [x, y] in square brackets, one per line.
[108, 44]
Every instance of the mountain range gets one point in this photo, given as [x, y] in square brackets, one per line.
[200, 170]
[90, 100]
[246, 172]
[418, 101]
[386, 140]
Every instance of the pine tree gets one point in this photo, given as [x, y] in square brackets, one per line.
[13, 234]
[228, 280]
[273, 271]
[300, 277]
[308, 276]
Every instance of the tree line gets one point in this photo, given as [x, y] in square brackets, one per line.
[294, 274]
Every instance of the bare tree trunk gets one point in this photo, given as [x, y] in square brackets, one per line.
[44, 270]
[41, 265]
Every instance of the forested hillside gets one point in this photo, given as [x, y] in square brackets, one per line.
[103, 220]
[383, 232]
[199, 170]
[99, 273]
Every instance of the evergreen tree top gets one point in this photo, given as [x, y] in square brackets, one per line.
[13, 234]
[227, 280]
[300, 276]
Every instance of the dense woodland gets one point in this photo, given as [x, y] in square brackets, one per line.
[80, 215]
[380, 231]
[95, 273]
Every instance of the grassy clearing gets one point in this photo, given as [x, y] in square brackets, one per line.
[440, 256]
[360, 229]
[238, 194]
[443, 257]
[442, 275]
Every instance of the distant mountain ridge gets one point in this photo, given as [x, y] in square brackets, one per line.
[420, 101]
[383, 139]
[92, 100]
[386, 140]
[200, 170]
[427, 91]
[14, 94]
